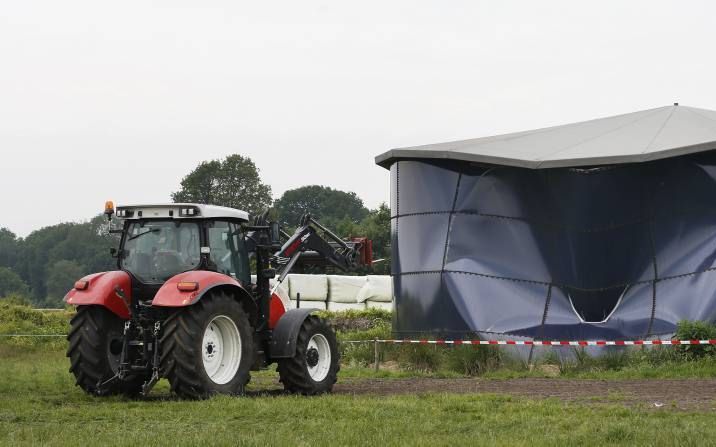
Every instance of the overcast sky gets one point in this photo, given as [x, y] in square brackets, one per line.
[120, 100]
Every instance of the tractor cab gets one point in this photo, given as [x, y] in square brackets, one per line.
[160, 241]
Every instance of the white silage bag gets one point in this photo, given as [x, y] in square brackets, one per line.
[379, 305]
[311, 287]
[337, 307]
[344, 289]
[320, 305]
[377, 288]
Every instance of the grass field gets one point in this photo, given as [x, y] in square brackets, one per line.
[39, 404]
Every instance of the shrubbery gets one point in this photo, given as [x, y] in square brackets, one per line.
[477, 360]
[474, 361]
[357, 320]
[696, 330]
[645, 357]
[17, 317]
[366, 324]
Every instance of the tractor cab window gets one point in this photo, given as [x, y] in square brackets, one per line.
[154, 251]
[228, 253]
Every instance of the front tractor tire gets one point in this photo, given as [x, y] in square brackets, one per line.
[95, 347]
[208, 348]
[314, 367]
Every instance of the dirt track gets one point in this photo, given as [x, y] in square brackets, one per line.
[677, 393]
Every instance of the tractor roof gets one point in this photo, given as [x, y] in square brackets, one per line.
[631, 138]
[180, 211]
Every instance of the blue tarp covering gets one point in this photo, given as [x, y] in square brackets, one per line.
[613, 252]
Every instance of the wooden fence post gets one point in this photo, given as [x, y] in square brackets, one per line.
[376, 354]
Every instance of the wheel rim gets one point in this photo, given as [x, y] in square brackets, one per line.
[318, 357]
[221, 349]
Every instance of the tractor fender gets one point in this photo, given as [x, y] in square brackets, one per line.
[104, 289]
[169, 295]
[285, 334]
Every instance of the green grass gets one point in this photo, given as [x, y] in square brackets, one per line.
[22, 319]
[430, 360]
[664, 362]
[39, 404]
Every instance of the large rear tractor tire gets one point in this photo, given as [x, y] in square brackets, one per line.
[314, 368]
[95, 346]
[208, 348]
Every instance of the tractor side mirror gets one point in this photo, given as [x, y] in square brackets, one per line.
[274, 233]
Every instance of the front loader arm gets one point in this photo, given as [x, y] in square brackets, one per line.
[306, 243]
[310, 244]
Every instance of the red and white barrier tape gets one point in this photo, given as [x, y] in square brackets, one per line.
[543, 342]
[493, 342]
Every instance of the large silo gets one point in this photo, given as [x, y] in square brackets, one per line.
[600, 229]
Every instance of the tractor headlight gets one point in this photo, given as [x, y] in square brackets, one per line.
[188, 212]
[124, 213]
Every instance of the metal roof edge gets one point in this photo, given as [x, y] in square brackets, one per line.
[451, 150]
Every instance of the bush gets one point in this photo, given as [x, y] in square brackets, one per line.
[16, 299]
[473, 360]
[18, 318]
[363, 353]
[696, 330]
[656, 356]
[351, 320]
[367, 324]
[419, 357]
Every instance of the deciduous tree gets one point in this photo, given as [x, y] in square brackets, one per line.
[328, 205]
[233, 182]
[61, 276]
[11, 283]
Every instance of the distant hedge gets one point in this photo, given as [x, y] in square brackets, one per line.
[19, 318]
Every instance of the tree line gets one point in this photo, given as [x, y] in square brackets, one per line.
[43, 266]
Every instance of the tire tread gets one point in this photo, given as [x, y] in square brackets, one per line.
[293, 372]
[179, 351]
[88, 328]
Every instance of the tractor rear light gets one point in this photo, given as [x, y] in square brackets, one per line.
[81, 285]
[187, 286]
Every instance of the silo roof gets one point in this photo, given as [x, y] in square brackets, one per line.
[630, 138]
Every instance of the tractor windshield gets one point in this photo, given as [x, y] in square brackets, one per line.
[154, 251]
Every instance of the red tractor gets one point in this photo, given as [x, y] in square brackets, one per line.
[182, 304]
